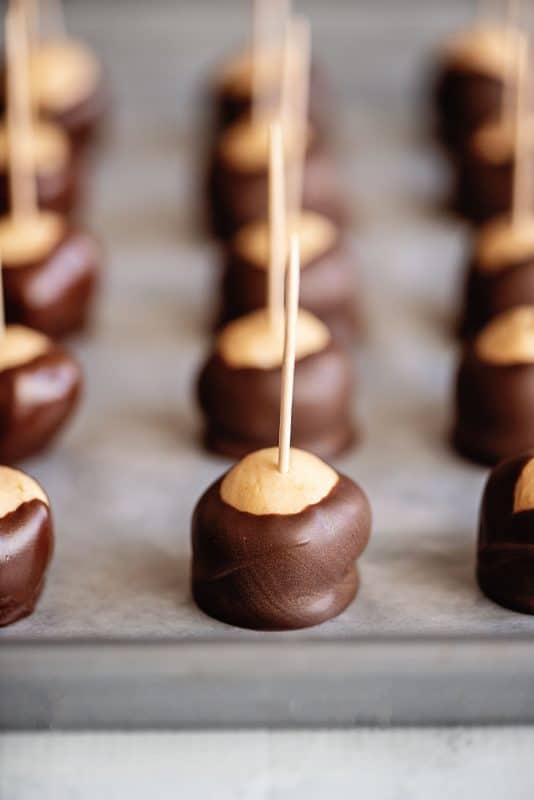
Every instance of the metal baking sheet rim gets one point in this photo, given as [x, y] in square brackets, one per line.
[275, 683]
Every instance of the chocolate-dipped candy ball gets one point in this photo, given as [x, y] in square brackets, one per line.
[58, 172]
[278, 552]
[469, 89]
[501, 272]
[40, 384]
[68, 87]
[237, 186]
[239, 387]
[328, 285]
[495, 389]
[26, 543]
[485, 174]
[505, 562]
[232, 90]
[50, 272]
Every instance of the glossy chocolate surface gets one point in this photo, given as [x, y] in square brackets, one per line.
[494, 408]
[488, 293]
[54, 294]
[236, 197]
[505, 562]
[242, 406]
[26, 544]
[277, 572]
[36, 400]
[464, 101]
[328, 288]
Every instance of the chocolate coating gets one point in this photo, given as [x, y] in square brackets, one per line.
[60, 191]
[277, 572]
[236, 197]
[242, 405]
[230, 105]
[26, 544]
[482, 189]
[55, 294]
[505, 564]
[488, 293]
[494, 408]
[83, 121]
[36, 399]
[328, 288]
[464, 100]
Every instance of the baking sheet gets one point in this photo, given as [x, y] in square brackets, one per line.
[124, 479]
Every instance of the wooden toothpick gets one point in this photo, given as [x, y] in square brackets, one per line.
[286, 89]
[522, 144]
[277, 226]
[19, 114]
[288, 364]
[511, 33]
[282, 12]
[33, 21]
[295, 99]
[260, 10]
[269, 18]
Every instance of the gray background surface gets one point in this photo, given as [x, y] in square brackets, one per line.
[380, 765]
